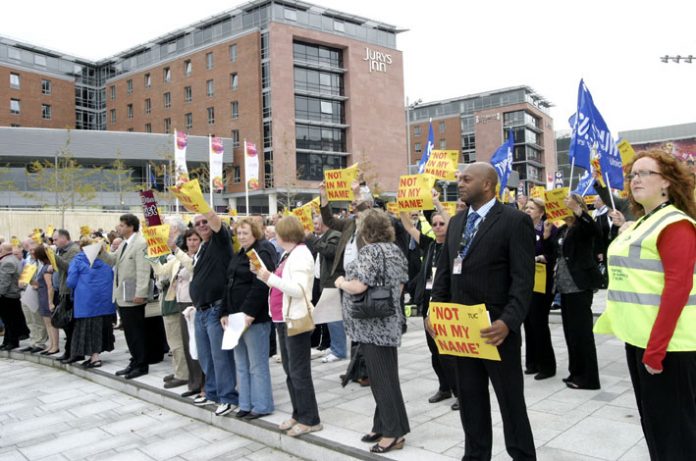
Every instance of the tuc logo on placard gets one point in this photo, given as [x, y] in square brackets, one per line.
[377, 60]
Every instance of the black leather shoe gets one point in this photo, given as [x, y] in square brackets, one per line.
[369, 438]
[125, 371]
[75, 359]
[26, 349]
[455, 406]
[544, 375]
[175, 383]
[530, 371]
[439, 396]
[135, 373]
[251, 415]
[34, 350]
[242, 414]
[190, 393]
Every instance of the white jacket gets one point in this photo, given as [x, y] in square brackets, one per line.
[298, 274]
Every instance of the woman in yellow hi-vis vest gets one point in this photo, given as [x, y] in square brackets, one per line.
[651, 302]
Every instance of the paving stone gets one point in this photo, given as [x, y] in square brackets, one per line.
[610, 439]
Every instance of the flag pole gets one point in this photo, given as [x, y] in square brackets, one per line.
[570, 181]
[246, 184]
[611, 196]
[210, 172]
[587, 188]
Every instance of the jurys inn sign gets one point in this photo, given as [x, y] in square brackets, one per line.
[377, 60]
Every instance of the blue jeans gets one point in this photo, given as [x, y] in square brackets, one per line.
[253, 371]
[218, 365]
[337, 334]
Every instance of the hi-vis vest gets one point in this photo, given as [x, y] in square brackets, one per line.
[636, 281]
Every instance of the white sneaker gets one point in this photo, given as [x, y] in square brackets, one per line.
[315, 354]
[224, 408]
[330, 358]
[277, 358]
[201, 401]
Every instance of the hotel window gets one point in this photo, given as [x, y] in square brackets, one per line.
[113, 92]
[167, 125]
[236, 175]
[210, 87]
[235, 138]
[417, 131]
[167, 100]
[443, 144]
[46, 87]
[442, 127]
[209, 60]
[148, 128]
[234, 81]
[233, 53]
[148, 80]
[188, 95]
[14, 80]
[235, 109]
[129, 86]
[211, 115]
[129, 110]
[148, 106]
[188, 121]
[418, 147]
[113, 115]
[167, 74]
[188, 67]
[46, 112]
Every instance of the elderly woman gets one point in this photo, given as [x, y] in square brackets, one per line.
[93, 307]
[379, 263]
[540, 359]
[650, 302]
[577, 276]
[249, 295]
[291, 285]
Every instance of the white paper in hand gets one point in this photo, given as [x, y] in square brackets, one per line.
[92, 251]
[328, 309]
[234, 330]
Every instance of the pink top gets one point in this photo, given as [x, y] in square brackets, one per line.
[276, 298]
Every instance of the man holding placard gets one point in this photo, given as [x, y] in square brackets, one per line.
[488, 259]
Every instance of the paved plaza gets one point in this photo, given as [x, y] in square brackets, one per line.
[50, 414]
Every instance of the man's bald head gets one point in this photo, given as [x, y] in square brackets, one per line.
[477, 184]
[485, 171]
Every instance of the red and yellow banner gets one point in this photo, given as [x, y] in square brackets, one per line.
[191, 197]
[442, 164]
[555, 206]
[156, 238]
[415, 192]
[338, 183]
[458, 330]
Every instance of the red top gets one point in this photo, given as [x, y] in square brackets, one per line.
[276, 297]
[677, 247]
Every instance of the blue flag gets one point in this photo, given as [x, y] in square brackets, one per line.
[427, 150]
[153, 178]
[591, 140]
[502, 161]
[585, 185]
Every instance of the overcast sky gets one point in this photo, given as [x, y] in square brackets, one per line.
[452, 47]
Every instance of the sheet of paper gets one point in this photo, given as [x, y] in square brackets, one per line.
[92, 251]
[328, 309]
[235, 329]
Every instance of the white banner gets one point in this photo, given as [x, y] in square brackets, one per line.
[180, 143]
[251, 166]
[216, 151]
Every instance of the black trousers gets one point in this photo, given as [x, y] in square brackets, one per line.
[13, 318]
[296, 353]
[666, 403]
[133, 320]
[475, 404]
[390, 417]
[539, 354]
[196, 380]
[443, 366]
[576, 313]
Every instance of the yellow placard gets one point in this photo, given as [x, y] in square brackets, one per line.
[540, 278]
[304, 214]
[589, 199]
[15, 242]
[338, 184]
[232, 212]
[36, 236]
[51, 257]
[451, 207]
[415, 192]
[442, 164]
[27, 273]
[393, 208]
[538, 192]
[316, 205]
[85, 231]
[626, 151]
[156, 238]
[49, 231]
[191, 197]
[555, 206]
[458, 330]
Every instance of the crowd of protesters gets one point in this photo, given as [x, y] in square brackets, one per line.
[485, 253]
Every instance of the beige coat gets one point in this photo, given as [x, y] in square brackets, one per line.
[131, 267]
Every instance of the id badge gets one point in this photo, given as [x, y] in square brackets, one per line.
[429, 282]
[457, 268]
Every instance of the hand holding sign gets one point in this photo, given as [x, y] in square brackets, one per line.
[496, 333]
[459, 330]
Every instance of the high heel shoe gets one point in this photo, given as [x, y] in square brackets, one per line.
[397, 444]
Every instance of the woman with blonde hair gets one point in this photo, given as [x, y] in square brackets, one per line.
[651, 302]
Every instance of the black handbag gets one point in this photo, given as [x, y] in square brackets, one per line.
[62, 315]
[375, 302]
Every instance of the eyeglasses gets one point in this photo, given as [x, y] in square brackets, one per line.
[202, 222]
[438, 224]
[642, 174]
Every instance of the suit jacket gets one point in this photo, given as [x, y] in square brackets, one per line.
[347, 228]
[63, 258]
[498, 270]
[325, 246]
[130, 267]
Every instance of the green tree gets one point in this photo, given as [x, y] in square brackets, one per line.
[117, 177]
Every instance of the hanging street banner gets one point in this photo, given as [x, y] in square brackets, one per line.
[458, 330]
[415, 192]
[191, 197]
[442, 164]
[180, 169]
[338, 183]
[216, 152]
[251, 167]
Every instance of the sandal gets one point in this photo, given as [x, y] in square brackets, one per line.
[95, 364]
[301, 429]
[285, 425]
[397, 444]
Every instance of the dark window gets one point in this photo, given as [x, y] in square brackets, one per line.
[210, 87]
[209, 61]
[167, 125]
[316, 109]
[148, 80]
[129, 110]
[148, 106]
[315, 54]
[167, 74]
[188, 120]
[188, 95]
[236, 175]
[235, 138]
[311, 167]
[235, 109]
[46, 87]
[129, 86]
[211, 115]
[233, 53]
[320, 138]
[46, 113]
[148, 128]
[113, 92]
[318, 81]
[167, 100]
[188, 67]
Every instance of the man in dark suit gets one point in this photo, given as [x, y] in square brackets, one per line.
[488, 258]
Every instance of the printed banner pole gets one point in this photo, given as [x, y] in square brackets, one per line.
[246, 177]
[210, 170]
[570, 180]
[611, 196]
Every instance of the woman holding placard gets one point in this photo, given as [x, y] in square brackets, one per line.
[576, 278]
